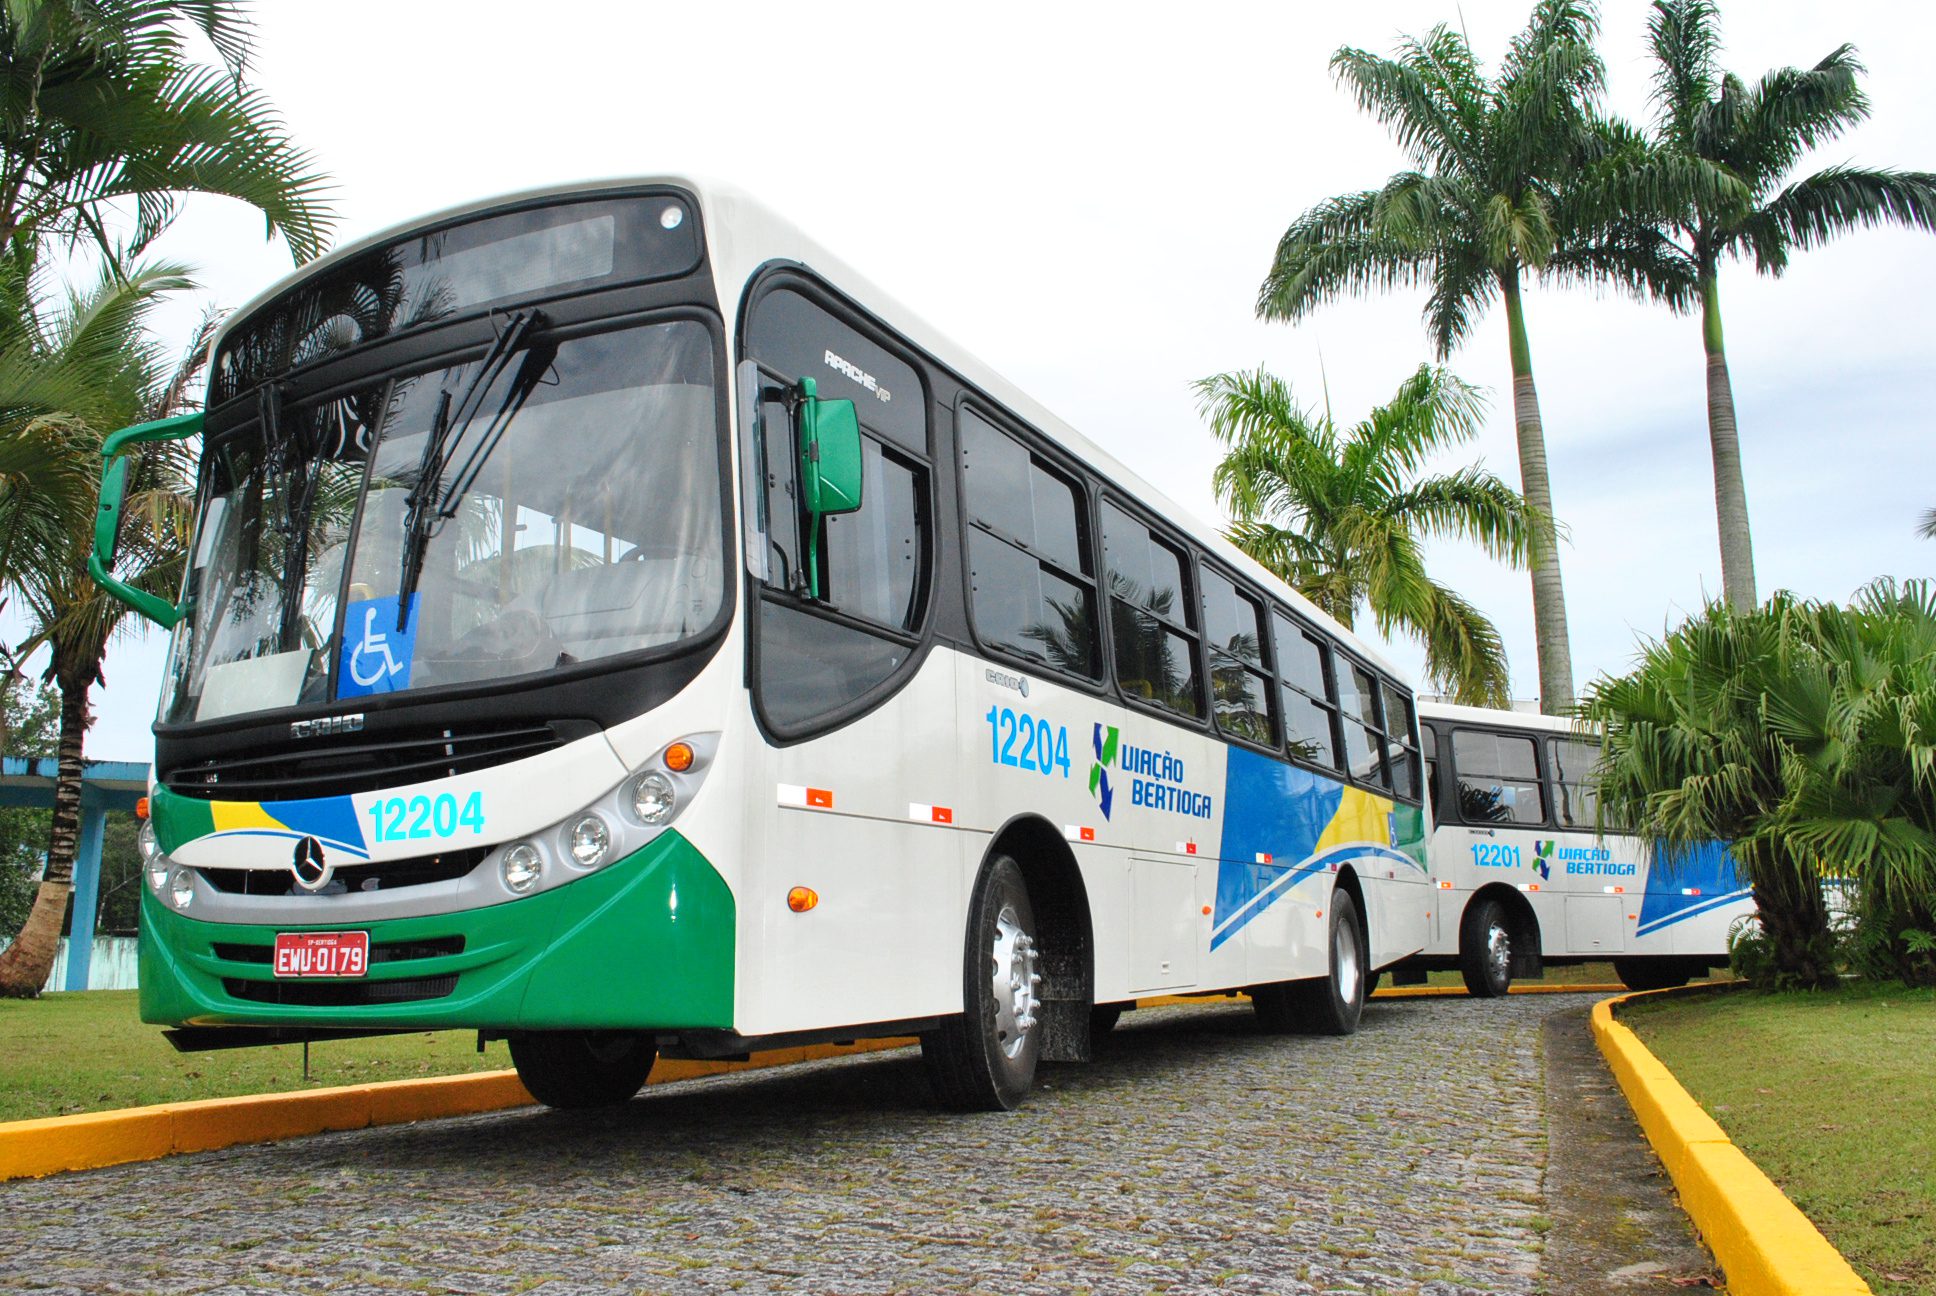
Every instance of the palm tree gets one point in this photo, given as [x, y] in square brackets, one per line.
[1858, 714]
[99, 340]
[103, 108]
[1756, 135]
[1340, 514]
[1508, 171]
[1690, 758]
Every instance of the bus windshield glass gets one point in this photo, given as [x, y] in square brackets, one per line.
[572, 514]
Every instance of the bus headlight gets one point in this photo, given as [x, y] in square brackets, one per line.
[588, 840]
[152, 859]
[184, 888]
[653, 798]
[521, 867]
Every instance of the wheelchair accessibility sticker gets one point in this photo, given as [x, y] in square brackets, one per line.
[376, 655]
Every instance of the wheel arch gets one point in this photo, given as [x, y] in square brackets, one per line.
[1065, 929]
[1528, 958]
[1349, 883]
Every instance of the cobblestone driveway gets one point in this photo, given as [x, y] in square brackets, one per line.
[1195, 1155]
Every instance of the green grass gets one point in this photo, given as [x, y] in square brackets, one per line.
[65, 1053]
[1834, 1096]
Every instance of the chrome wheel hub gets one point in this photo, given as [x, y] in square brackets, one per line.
[1016, 981]
[1498, 952]
[1345, 954]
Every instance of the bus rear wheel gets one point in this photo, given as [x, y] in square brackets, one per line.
[1326, 1005]
[1486, 950]
[984, 1059]
[575, 1069]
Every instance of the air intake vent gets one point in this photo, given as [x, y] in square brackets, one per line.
[386, 952]
[340, 994]
[365, 762]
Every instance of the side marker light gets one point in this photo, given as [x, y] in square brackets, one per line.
[141, 808]
[801, 899]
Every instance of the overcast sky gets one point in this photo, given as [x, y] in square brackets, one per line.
[1087, 200]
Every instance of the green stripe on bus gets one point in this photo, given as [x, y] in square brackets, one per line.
[179, 819]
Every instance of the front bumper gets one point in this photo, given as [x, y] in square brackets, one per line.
[645, 943]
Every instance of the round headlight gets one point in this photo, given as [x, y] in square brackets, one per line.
[653, 798]
[184, 888]
[589, 839]
[522, 866]
[147, 843]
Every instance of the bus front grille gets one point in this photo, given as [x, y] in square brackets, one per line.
[366, 762]
[340, 994]
[387, 875]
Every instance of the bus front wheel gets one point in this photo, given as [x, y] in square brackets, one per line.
[984, 1058]
[1486, 950]
[582, 1068]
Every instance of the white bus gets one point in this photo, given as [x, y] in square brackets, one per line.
[1525, 879]
[615, 627]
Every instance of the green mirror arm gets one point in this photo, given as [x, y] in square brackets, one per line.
[107, 522]
[153, 606]
[178, 428]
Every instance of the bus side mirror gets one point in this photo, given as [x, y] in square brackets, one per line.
[830, 467]
[107, 518]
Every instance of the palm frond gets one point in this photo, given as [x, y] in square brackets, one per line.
[1834, 201]
[1684, 37]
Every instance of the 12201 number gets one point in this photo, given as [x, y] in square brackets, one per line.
[423, 817]
[1022, 741]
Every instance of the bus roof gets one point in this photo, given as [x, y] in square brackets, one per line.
[1500, 719]
[743, 234]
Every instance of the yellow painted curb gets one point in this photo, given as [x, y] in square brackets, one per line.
[91, 1140]
[1763, 1243]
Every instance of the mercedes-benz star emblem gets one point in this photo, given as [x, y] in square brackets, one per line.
[311, 869]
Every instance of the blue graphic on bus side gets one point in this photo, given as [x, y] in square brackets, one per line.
[1681, 885]
[376, 655]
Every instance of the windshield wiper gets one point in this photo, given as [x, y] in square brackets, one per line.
[428, 505]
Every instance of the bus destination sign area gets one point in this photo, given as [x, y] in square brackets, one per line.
[322, 954]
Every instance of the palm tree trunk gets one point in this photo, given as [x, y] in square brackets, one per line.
[1549, 598]
[1730, 493]
[1794, 918]
[27, 963]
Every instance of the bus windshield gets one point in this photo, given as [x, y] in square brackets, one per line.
[575, 515]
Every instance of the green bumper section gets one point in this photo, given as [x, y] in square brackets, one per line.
[644, 943]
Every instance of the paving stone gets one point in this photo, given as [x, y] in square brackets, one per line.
[1196, 1155]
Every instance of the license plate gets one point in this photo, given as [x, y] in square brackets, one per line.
[322, 954]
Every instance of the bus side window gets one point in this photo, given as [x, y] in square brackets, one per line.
[1573, 760]
[1363, 740]
[1240, 690]
[1304, 687]
[1031, 576]
[1152, 622]
[1401, 751]
[1498, 778]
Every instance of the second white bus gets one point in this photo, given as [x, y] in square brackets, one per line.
[1524, 879]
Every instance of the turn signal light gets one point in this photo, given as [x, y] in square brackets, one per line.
[678, 757]
[141, 808]
[801, 899]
